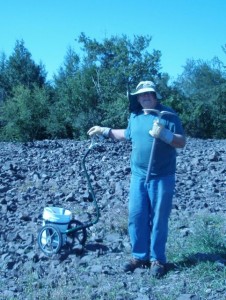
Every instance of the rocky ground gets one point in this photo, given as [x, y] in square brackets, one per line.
[38, 174]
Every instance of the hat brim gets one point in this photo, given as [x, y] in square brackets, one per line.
[146, 90]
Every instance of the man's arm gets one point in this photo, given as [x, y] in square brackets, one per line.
[117, 134]
[174, 139]
[178, 141]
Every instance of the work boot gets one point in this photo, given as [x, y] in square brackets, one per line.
[157, 269]
[136, 263]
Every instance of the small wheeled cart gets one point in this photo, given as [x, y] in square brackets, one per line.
[59, 226]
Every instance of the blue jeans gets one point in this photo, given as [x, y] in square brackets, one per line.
[149, 210]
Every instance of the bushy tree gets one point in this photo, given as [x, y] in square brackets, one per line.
[200, 77]
[24, 116]
[90, 88]
[24, 96]
[95, 91]
[73, 98]
[117, 60]
[202, 98]
[20, 69]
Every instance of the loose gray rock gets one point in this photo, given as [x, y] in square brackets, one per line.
[48, 173]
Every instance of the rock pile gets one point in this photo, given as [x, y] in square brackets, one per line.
[38, 174]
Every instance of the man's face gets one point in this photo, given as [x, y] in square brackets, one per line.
[147, 100]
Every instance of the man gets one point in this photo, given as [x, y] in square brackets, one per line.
[150, 197]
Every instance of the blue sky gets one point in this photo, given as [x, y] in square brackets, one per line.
[180, 29]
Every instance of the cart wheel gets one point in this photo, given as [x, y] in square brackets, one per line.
[50, 239]
[76, 236]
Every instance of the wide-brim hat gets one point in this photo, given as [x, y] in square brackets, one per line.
[145, 87]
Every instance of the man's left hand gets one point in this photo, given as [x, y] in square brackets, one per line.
[159, 131]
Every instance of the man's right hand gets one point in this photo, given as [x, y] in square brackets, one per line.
[95, 130]
[99, 130]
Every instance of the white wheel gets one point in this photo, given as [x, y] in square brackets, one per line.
[50, 239]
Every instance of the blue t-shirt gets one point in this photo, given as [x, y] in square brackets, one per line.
[164, 161]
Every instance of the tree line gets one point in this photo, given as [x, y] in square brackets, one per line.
[90, 88]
